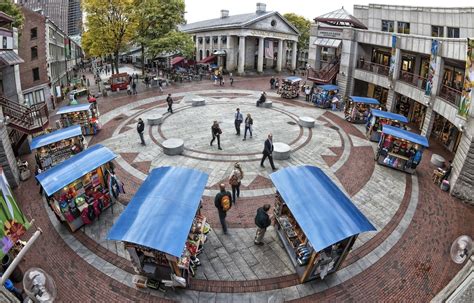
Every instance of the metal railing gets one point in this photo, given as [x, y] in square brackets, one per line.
[373, 67]
[412, 79]
[325, 74]
[26, 118]
[450, 94]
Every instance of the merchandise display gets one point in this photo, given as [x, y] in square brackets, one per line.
[323, 95]
[358, 109]
[379, 119]
[290, 87]
[85, 115]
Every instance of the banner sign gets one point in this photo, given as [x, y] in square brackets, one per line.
[466, 97]
[392, 57]
[433, 63]
[269, 49]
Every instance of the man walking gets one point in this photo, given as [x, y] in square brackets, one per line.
[140, 129]
[223, 202]
[238, 119]
[262, 220]
[268, 151]
[134, 87]
[272, 83]
[231, 78]
[169, 100]
[216, 133]
[248, 126]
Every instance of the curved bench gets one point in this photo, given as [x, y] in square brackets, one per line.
[156, 120]
[198, 102]
[267, 104]
[437, 160]
[281, 151]
[173, 147]
[306, 122]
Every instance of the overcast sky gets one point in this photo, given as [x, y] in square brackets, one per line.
[198, 10]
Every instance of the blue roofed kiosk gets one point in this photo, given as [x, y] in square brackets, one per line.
[357, 109]
[381, 118]
[317, 223]
[290, 87]
[85, 115]
[323, 95]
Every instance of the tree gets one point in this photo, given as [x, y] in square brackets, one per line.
[9, 8]
[303, 25]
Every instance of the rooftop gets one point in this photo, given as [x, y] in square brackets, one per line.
[340, 17]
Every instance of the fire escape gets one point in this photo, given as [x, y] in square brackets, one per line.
[325, 75]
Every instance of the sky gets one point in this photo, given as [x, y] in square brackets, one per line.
[198, 10]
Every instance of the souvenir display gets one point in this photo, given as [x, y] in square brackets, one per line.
[290, 87]
[85, 115]
[357, 109]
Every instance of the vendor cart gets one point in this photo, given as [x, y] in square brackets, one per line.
[85, 115]
[315, 220]
[381, 118]
[358, 109]
[400, 149]
[162, 227]
[290, 87]
[119, 81]
[323, 95]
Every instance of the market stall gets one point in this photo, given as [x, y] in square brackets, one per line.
[357, 109]
[290, 87]
[119, 82]
[57, 146]
[85, 115]
[80, 188]
[162, 227]
[380, 119]
[323, 95]
[315, 220]
[400, 149]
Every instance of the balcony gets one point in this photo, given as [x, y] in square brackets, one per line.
[450, 94]
[413, 80]
[373, 67]
[28, 120]
[325, 75]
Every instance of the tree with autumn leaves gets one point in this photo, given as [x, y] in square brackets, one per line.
[303, 25]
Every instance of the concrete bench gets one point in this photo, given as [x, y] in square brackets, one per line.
[281, 151]
[267, 104]
[437, 160]
[306, 122]
[173, 147]
[155, 120]
[198, 102]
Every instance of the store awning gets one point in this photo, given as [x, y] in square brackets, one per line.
[293, 79]
[74, 168]
[161, 213]
[326, 42]
[56, 136]
[329, 87]
[208, 59]
[220, 53]
[365, 100]
[389, 115]
[321, 209]
[9, 57]
[176, 60]
[404, 134]
[73, 108]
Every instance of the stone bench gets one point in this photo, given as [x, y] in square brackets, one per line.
[306, 122]
[156, 120]
[281, 151]
[437, 160]
[173, 147]
[198, 102]
[267, 104]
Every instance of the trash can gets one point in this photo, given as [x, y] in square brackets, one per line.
[444, 185]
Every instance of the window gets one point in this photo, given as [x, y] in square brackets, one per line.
[403, 27]
[453, 32]
[387, 26]
[33, 33]
[34, 97]
[273, 23]
[36, 74]
[437, 31]
[5, 42]
[34, 53]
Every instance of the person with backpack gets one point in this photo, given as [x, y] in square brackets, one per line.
[262, 220]
[235, 180]
[223, 202]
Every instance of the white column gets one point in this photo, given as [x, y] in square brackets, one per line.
[280, 55]
[218, 42]
[211, 45]
[260, 54]
[241, 67]
[197, 49]
[293, 56]
[228, 41]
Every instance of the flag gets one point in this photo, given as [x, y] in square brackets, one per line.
[269, 49]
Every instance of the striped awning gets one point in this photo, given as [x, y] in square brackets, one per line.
[325, 42]
[9, 57]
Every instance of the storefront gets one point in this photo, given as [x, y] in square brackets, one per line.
[357, 109]
[323, 94]
[380, 119]
[57, 146]
[414, 111]
[446, 133]
[315, 220]
[81, 187]
[400, 149]
[162, 227]
[290, 87]
[85, 115]
[378, 92]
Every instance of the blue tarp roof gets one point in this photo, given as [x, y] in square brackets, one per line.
[161, 213]
[293, 79]
[73, 108]
[389, 115]
[325, 214]
[404, 134]
[365, 100]
[74, 168]
[56, 136]
[329, 87]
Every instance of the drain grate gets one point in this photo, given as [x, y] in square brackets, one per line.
[334, 127]
[291, 122]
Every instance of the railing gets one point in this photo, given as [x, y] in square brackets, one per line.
[27, 118]
[326, 74]
[450, 94]
[373, 67]
[412, 79]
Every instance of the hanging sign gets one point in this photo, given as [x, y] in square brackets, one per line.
[466, 97]
[433, 63]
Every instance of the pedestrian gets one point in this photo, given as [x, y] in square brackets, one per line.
[268, 152]
[140, 129]
[169, 100]
[129, 89]
[334, 102]
[248, 126]
[134, 87]
[272, 82]
[263, 98]
[216, 133]
[221, 79]
[147, 81]
[160, 85]
[136, 76]
[235, 180]
[262, 220]
[238, 119]
[307, 92]
[37, 172]
[223, 202]
[277, 83]
[130, 78]
[231, 78]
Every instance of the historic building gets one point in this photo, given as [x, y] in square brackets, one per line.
[254, 41]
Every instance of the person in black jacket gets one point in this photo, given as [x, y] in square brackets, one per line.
[262, 220]
[263, 98]
[169, 100]
[216, 133]
[218, 204]
[140, 129]
[268, 151]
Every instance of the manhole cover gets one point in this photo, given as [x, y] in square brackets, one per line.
[118, 118]
[291, 122]
[334, 127]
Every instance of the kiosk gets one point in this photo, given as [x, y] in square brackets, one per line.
[119, 82]
[358, 108]
[315, 220]
[162, 227]
[85, 115]
[290, 87]
[400, 149]
[381, 118]
[57, 146]
[78, 189]
[322, 97]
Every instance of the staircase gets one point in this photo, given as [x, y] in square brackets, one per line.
[326, 75]
[28, 120]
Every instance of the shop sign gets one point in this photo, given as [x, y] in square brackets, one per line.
[392, 57]
[260, 33]
[324, 33]
[433, 64]
[466, 97]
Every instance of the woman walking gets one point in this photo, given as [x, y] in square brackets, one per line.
[216, 134]
[234, 181]
[248, 126]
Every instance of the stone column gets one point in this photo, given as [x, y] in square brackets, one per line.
[241, 66]
[462, 175]
[218, 42]
[293, 56]
[211, 45]
[429, 116]
[197, 49]
[280, 55]
[260, 54]
[349, 53]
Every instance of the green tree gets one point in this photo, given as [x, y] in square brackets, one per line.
[9, 8]
[303, 25]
